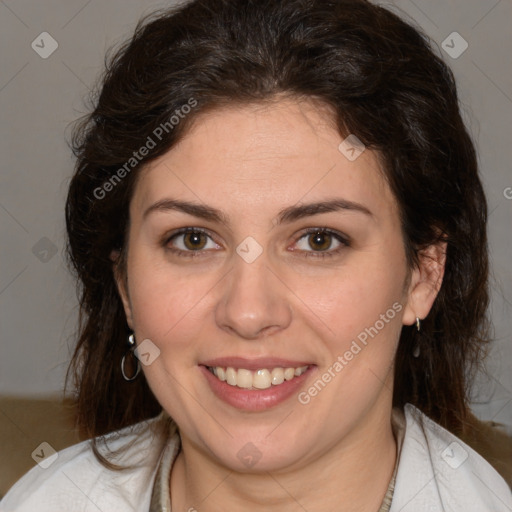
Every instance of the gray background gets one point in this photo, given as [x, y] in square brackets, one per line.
[40, 97]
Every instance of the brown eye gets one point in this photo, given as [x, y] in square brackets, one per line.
[320, 241]
[190, 242]
[194, 240]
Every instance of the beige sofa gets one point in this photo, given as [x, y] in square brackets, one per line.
[25, 423]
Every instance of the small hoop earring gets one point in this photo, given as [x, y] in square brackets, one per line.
[418, 324]
[130, 352]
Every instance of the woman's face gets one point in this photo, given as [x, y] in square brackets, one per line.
[248, 288]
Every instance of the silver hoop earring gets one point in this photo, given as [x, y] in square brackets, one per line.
[130, 353]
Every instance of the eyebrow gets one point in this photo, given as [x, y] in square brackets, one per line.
[286, 215]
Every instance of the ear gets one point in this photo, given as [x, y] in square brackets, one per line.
[122, 286]
[425, 283]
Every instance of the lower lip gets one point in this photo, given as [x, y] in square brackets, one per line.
[252, 400]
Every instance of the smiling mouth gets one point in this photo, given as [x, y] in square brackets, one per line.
[259, 379]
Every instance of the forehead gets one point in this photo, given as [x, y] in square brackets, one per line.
[264, 156]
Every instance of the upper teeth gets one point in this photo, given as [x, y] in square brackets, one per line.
[260, 379]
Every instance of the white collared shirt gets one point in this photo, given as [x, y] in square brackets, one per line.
[436, 472]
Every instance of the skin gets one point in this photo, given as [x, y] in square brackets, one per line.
[250, 162]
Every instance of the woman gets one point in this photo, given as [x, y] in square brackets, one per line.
[276, 214]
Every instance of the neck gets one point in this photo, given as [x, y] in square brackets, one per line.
[351, 476]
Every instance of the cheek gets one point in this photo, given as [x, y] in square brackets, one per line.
[346, 302]
[167, 310]
[167, 304]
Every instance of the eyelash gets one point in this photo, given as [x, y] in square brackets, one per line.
[307, 254]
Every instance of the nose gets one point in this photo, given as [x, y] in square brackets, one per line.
[254, 301]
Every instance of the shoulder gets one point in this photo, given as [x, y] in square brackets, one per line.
[437, 469]
[75, 480]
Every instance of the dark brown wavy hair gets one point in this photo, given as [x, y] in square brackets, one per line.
[384, 83]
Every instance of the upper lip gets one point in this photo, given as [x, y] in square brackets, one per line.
[254, 364]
